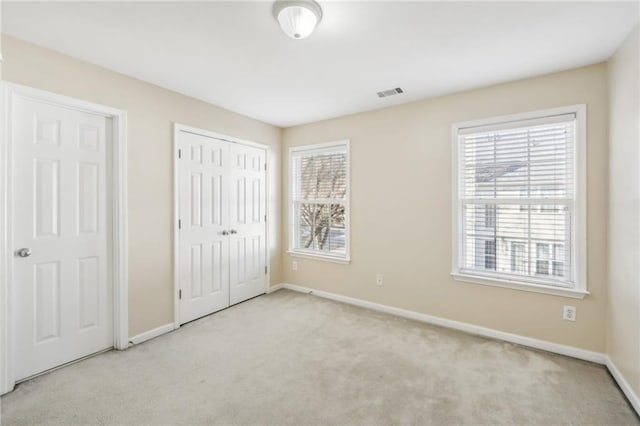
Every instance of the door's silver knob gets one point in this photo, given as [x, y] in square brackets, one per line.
[225, 232]
[24, 252]
[233, 231]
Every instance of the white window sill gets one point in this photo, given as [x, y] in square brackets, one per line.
[521, 285]
[333, 259]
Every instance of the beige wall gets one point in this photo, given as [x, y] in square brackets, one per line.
[401, 210]
[151, 114]
[623, 319]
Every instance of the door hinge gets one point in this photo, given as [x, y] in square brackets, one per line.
[179, 153]
[265, 217]
[179, 224]
[180, 294]
[265, 166]
[265, 270]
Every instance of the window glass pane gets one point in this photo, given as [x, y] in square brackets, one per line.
[490, 254]
[497, 236]
[542, 251]
[321, 227]
[558, 269]
[519, 263]
[338, 235]
[305, 217]
[321, 177]
[534, 162]
[314, 226]
[320, 191]
[558, 260]
[516, 196]
[542, 267]
[489, 216]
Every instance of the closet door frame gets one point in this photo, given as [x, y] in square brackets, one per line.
[177, 129]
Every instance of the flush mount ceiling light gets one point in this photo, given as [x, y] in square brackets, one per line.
[297, 18]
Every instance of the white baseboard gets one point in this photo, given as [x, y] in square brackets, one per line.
[624, 385]
[571, 351]
[147, 335]
[275, 288]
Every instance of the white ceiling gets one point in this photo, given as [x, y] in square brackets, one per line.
[233, 54]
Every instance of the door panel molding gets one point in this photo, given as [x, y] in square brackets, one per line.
[117, 134]
[179, 222]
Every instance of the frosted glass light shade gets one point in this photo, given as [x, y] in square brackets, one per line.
[298, 18]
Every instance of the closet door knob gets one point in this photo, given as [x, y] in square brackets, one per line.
[24, 252]
[233, 231]
[225, 232]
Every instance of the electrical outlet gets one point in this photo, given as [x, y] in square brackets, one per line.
[569, 313]
[294, 266]
[379, 279]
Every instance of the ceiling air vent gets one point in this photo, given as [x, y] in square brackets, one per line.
[390, 92]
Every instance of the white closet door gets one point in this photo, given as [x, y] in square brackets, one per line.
[204, 215]
[248, 223]
[63, 290]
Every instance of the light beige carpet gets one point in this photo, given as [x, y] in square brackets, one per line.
[294, 359]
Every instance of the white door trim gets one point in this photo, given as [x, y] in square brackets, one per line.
[177, 128]
[118, 175]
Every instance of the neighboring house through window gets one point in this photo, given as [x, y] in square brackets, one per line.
[550, 259]
[519, 263]
[319, 214]
[519, 201]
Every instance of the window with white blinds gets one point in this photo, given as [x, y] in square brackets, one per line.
[519, 203]
[319, 176]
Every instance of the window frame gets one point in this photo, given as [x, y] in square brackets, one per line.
[578, 225]
[293, 222]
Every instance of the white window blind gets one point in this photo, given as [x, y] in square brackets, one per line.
[517, 200]
[319, 192]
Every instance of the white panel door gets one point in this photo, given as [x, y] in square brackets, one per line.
[222, 224]
[62, 283]
[248, 223]
[203, 188]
